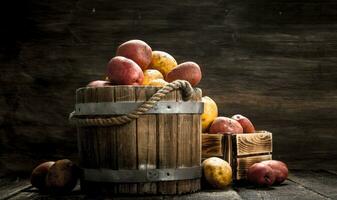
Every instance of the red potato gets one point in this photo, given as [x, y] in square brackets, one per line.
[99, 83]
[123, 71]
[225, 125]
[189, 71]
[280, 170]
[39, 174]
[261, 175]
[62, 176]
[136, 50]
[246, 124]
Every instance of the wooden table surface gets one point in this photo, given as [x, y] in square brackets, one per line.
[301, 184]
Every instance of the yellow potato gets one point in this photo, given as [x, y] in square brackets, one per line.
[209, 114]
[162, 62]
[158, 83]
[217, 172]
[151, 74]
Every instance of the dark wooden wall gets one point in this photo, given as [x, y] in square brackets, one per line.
[273, 61]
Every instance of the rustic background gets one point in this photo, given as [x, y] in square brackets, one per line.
[273, 61]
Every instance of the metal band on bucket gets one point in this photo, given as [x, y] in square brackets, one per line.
[141, 176]
[121, 108]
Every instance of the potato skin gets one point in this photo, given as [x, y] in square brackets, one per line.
[261, 174]
[162, 62]
[209, 114]
[124, 71]
[62, 176]
[136, 50]
[99, 83]
[225, 125]
[150, 75]
[217, 172]
[38, 176]
[189, 71]
[246, 124]
[158, 83]
[280, 170]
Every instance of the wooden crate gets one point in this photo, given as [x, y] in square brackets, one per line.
[240, 150]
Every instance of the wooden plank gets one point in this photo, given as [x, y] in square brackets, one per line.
[88, 140]
[319, 181]
[167, 145]
[242, 165]
[212, 145]
[126, 139]
[10, 188]
[196, 140]
[32, 193]
[76, 195]
[288, 190]
[146, 140]
[87, 136]
[253, 143]
[107, 143]
[185, 143]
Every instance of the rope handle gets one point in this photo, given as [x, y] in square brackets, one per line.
[184, 86]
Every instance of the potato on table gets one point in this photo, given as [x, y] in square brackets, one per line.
[217, 172]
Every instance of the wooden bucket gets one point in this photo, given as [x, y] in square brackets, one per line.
[158, 153]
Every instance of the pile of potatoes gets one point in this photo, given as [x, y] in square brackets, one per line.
[136, 64]
[56, 177]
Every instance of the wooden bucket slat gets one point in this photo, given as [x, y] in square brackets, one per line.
[146, 140]
[196, 141]
[126, 140]
[167, 145]
[184, 156]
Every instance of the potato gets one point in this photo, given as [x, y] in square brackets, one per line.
[217, 172]
[150, 75]
[62, 176]
[162, 62]
[280, 170]
[158, 83]
[209, 114]
[124, 71]
[261, 174]
[99, 83]
[246, 124]
[225, 125]
[136, 50]
[189, 71]
[39, 174]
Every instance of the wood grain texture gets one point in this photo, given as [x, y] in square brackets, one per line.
[288, 190]
[321, 181]
[185, 140]
[273, 61]
[212, 145]
[152, 141]
[257, 143]
[239, 150]
[167, 145]
[126, 140]
[146, 140]
[196, 140]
